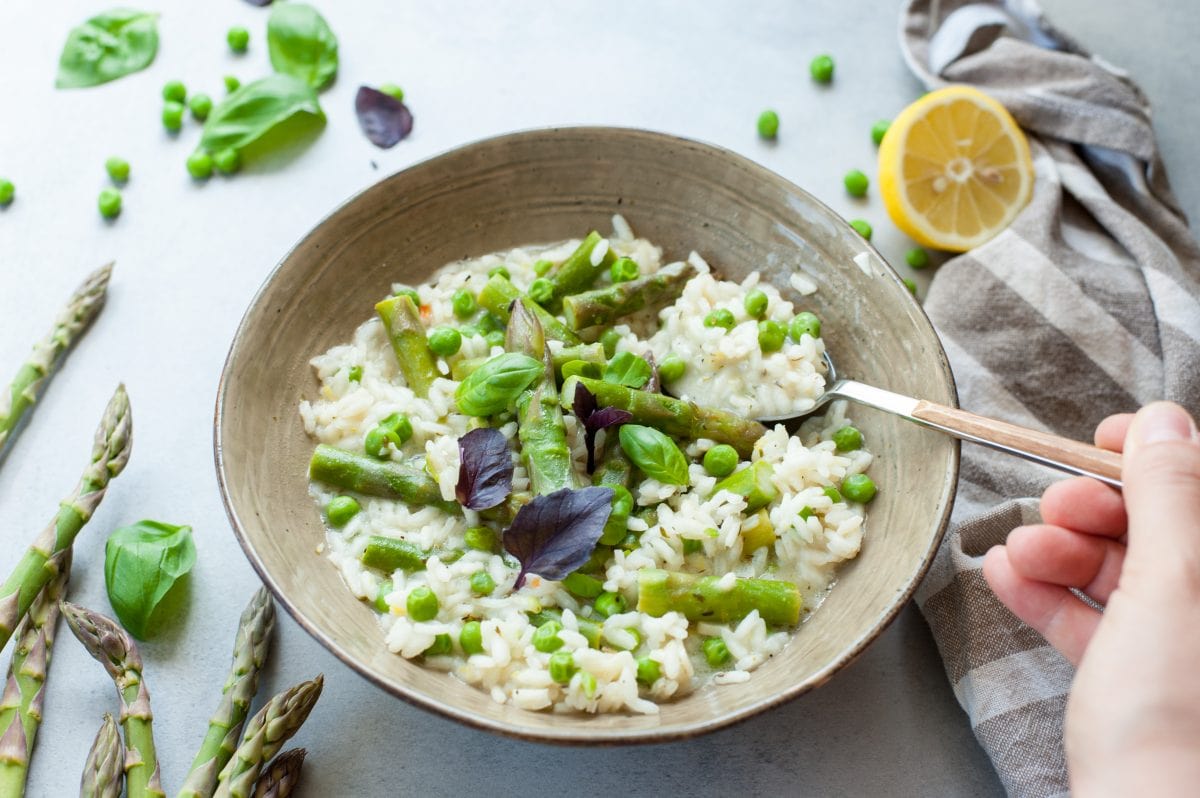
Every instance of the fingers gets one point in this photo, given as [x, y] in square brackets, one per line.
[1085, 505]
[1110, 433]
[1058, 614]
[1045, 553]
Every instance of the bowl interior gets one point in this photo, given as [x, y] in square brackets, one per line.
[545, 186]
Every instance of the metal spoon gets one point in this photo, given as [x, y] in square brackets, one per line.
[1040, 447]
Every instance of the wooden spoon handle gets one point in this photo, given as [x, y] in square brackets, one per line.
[1042, 447]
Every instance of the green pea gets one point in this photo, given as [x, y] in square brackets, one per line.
[562, 666]
[200, 165]
[232, 84]
[862, 227]
[721, 460]
[471, 638]
[546, 639]
[847, 439]
[494, 338]
[354, 374]
[805, 513]
[587, 682]
[771, 335]
[445, 341]
[480, 538]
[541, 290]
[716, 653]
[630, 542]
[805, 323]
[878, 129]
[499, 270]
[411, 293]
[608, 604]
[542, 267]
[648, 671]
[7, 191]
[821, 69]
[672, 368]
[833, 493]
[623, 270]
[117, 168]
[227, 161]
[692, 546]
[489, 323]
[396, 429]
[609, 340]
[238, 39]
[911, 285]
[482, 583]
[109, 203]
[172, 115]
[856, 183]
[174, 91]
[381, 602]
[422, 604]
[398, 424]
[917, 258]
[440, 647]
[721, 317]
[463, 303]
[755, 304]
[200, 105]
[768, 125]
[341, 509]
[392, 90]
[858, 488]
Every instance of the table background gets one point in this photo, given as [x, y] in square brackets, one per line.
[189, 257]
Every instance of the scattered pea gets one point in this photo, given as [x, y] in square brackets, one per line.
[609, 604]
[227, 161]
[721, 317]
[587, 683]
[480, 538]
[200, 105]
[862, 227]
[805, 513]
[381, 602]
[805, 323]
[411, 293]
[755, 304]
[200, 165]
[445, 341]
[471, 638]
[174, 91]
[721, 460]
[562, 666]
[858, 488]
[856, 183]
[609, 339]
[847, 439]
[821, 68]
[109, 203]
[489, 323]
[494, 338]
[355, 374]
[542, 267]
[771, 335]
[422, 604]
[392, 90]
[238, 39]
[500, 270]
[117, 168]
[648, 671]
[911, 285]
[768, 125]
[463, 303]
[482, 583]
[917, 258]
[833, 493]
[395, 429]
[716, 653]
[878, 129]
[232, 84]
[624, 270]
[541, 290]
[440, 647]
[692, 546]
[172, 115]
[341, 509]
[7, 191]
[672, 368]
[546, 639]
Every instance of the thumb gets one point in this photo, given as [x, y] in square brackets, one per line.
[1161, 472]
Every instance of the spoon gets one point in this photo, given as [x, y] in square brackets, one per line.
[1063, 454]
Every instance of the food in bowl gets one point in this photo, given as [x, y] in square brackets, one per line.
[541, 468]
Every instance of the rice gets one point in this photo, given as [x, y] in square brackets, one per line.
[691, 529]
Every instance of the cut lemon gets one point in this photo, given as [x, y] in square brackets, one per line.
[954, 169]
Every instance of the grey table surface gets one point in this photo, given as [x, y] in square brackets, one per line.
[190, 256]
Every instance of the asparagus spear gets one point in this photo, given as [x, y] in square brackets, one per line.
[250, 649]
[110, 453]
[103, 776]
[24, 691]
[499, 293]
[72, 322]
[588, 353]
[577, 272]
[112, 647]
[672, 416]
[282, 775]
[402, 321]
[265, 734]
[348, 471]
[603, 305]
[701, 598]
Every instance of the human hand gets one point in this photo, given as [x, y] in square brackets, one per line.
[1133, 716]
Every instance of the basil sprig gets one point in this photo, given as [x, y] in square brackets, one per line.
[106, 47]
[629, 370]
[259, 108]
[655, 453]
[301, 44]
[142, 563]
[496, 384]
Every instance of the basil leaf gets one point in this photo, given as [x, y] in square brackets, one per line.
[301, 44]
[628, 369]
[555, 534]
[593, 420]
[258, 108]
[106, 47]
[142, 563]
[384, 119]
[654, 453]
[485, 470]
[496, 384]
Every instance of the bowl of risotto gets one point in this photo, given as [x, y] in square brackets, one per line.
[491, 433]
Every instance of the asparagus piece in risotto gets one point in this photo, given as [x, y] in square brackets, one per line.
[604, 305]
[402, 321]
[580, 269]
[673, 416]
[708, 598]
[497, 297]
[408, 482]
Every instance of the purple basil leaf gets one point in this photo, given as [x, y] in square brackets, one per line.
[593, 420]
[583, 403]
[383, 119]
[554, 535]
[606, 417]
[485, 469]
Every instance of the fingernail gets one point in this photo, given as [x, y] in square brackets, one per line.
[1162, 421]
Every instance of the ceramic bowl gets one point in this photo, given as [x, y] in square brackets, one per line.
[548, 185]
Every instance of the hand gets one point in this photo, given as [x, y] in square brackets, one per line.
[1133, 716]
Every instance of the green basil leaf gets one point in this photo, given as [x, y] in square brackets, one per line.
[106, 47]
[301, 44]
[628, 369]
[258, 108]
[496, 384]
[654, 453]
[142, 563]
[582, 368]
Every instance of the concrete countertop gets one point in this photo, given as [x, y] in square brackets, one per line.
[190, 256]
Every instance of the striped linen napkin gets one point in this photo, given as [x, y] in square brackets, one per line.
[1086, 306]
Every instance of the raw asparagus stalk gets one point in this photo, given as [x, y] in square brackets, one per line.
[754, 482]
[402, 321]
[250, 649]
[110, 453]
[588, 353]
[604, 305]
[31, 379]
[282, 775]
[578, 272]
[103, 773]
[265, 734]
[702, 598]
[348, 471]
[112, 647]
[499, 293]
[24, 690]
[672, 416]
